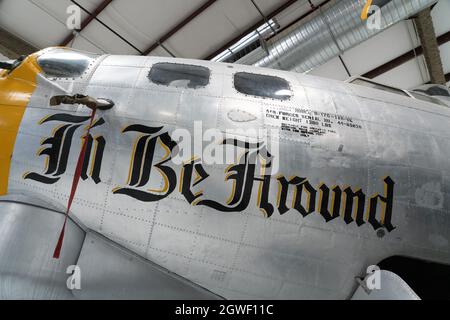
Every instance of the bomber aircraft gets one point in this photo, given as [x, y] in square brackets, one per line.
[133, 177]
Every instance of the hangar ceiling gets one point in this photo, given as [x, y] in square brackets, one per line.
[207, 29]
[208, 24]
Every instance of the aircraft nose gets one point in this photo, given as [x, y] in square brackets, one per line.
[16, 88]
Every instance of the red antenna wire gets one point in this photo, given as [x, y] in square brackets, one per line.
[76, 179]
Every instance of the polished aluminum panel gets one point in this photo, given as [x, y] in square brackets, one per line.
[392, 288]
[28, 236]
[109, 271]
[244, 254]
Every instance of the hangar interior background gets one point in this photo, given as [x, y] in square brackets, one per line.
[240, 30]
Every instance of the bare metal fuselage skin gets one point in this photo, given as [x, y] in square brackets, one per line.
[271, 246]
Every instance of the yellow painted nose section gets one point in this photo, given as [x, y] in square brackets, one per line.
[16, 89]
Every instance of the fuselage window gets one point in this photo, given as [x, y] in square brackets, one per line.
[179, 75]
[262, 86]
[65, 63]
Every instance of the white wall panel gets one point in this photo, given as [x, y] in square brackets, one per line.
[379, 49]
[333, 69]
[405, 76]
[41, 23]
[440, 15]
[214, 27]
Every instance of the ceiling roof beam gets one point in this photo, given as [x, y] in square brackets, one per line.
[180, 25]
[86, 21]
[394, 63]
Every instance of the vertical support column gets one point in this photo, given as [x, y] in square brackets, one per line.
[430, 46]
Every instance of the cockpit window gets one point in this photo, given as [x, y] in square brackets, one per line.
[262, 86]
[179, 75]
[434, 90]
[64, 63]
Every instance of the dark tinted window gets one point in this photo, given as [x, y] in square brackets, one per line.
[434, 90]
[262, 86]
[179, 75]
[65, 63]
